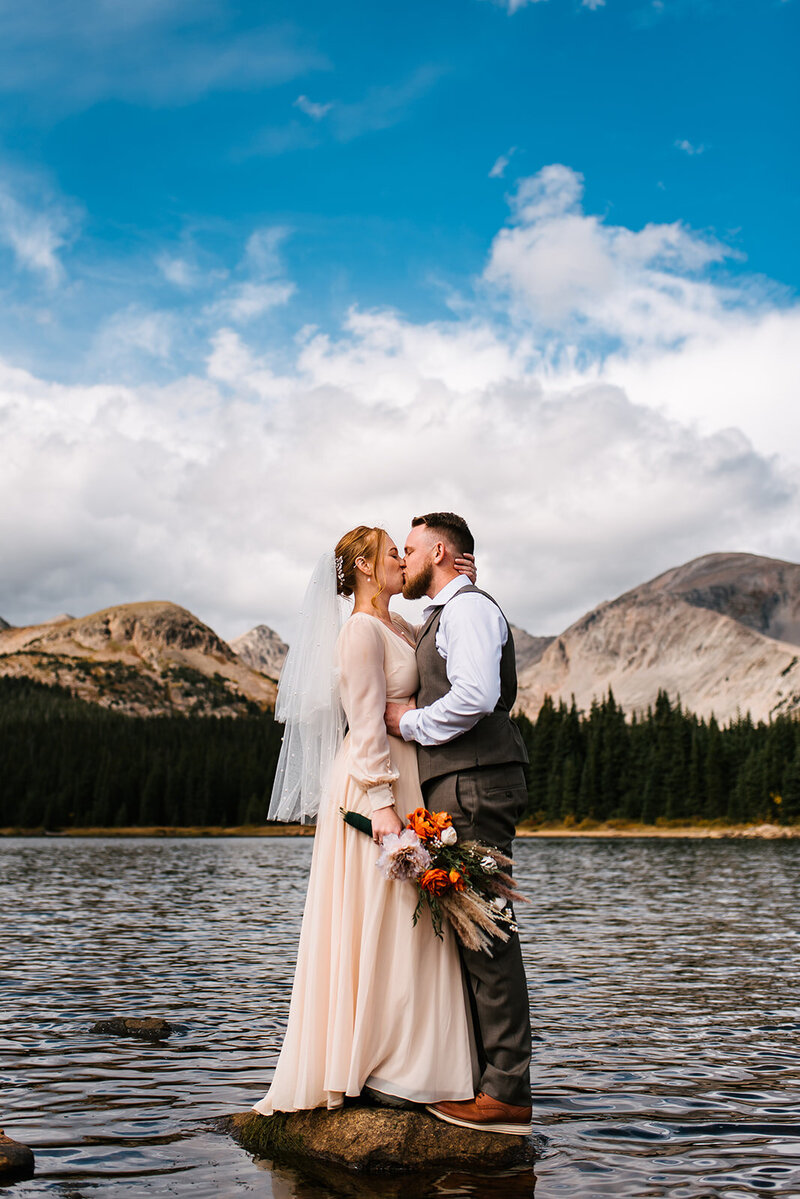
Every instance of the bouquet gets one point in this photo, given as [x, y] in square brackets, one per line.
[465, 883]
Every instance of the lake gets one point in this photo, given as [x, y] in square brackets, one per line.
[664, 1005]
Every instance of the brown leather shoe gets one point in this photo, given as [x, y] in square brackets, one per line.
[485, 1114]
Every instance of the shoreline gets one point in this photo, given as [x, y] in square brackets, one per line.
[617, 829]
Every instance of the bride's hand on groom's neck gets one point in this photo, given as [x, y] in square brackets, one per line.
[466, 566]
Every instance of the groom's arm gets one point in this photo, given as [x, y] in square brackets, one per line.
[471, 636]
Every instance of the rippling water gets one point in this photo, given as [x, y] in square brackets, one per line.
[664, 1004]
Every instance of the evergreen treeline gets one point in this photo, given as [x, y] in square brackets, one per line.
[667, 765]
[66, 763]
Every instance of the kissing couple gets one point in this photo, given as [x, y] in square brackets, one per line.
[383, 718]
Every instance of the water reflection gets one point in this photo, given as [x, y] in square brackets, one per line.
[663, 1000]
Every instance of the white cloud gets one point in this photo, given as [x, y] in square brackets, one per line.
[583, 472]
[35, 228]
[263, 288]
[593, 4]
[688, 148]
[161, 51]
[245, 301]
[581, 281]
[383, 106]
[178, 271]
[500, 164]
[312, 109]
[132, 332]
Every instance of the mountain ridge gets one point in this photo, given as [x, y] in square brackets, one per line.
[720, 632]
[146, 658]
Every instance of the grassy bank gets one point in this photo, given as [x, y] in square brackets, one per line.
[587, 828]
[216, 830]
[676, 829]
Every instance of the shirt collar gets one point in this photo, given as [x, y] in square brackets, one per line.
[447, 592]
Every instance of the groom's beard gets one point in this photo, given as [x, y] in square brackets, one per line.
[416, 587]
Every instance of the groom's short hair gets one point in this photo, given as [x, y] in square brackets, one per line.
[451, 528]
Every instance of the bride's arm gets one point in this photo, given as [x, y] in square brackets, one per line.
[363, 691]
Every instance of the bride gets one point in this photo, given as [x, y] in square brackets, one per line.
[377, 1003]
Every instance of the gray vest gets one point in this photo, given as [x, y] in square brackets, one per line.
[495, 740]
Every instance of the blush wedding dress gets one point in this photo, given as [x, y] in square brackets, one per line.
[376, 1002]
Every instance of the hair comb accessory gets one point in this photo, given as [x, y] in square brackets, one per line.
[340, 568]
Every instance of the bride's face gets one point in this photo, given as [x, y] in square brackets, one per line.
[392, 569]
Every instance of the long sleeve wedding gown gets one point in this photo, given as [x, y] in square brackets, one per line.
[376, 1001]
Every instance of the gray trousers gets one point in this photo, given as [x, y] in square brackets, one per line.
[485, 804]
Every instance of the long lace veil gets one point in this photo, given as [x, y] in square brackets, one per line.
[308, 702]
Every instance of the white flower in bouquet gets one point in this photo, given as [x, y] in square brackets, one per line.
[403, 856]
[449, 836]
[499, 902]
[489, 864]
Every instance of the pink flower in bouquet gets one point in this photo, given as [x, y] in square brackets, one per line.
[403, 856]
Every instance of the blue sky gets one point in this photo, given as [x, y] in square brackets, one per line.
[176, 130]
[246, 205]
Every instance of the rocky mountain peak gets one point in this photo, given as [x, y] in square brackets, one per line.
[762, 593]
[143, 658]
[720, 632]
[262, 649]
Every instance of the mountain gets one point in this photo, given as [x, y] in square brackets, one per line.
[262, 649]
[4, 624]
[145, 659]
[528, 649]
[721, 632]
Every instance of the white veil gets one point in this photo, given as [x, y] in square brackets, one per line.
[308, 702]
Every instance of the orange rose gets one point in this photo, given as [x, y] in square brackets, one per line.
[435, 880]
[457, 881]
[441, 820]
[421, 821]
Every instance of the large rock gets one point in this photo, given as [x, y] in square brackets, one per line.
[376, 1140]
[16, 1161]
[148, 1028]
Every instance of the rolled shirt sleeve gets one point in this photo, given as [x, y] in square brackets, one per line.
[362, 685]
[471, 635]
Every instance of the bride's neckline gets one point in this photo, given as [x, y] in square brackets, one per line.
[383, 623]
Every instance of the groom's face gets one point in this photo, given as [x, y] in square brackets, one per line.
[420, 545]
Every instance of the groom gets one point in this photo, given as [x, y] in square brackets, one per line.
[471, 759]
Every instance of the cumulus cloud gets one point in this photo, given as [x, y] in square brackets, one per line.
[581, 474]
[218, 492]
[688, 148]
[576, 278]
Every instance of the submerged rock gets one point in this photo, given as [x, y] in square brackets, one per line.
[377, 1140]
[127, 1026]
[16, 1161]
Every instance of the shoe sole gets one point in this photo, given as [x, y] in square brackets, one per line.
[514, 1130]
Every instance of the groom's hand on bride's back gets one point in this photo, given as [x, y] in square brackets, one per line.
[466, 566]
[394, 714]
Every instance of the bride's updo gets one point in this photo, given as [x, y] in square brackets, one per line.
[361, 542]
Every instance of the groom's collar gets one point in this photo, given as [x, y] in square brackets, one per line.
[447, 592]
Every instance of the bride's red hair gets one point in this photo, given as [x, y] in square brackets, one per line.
[361, 542]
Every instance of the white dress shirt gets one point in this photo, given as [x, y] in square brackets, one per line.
[470, 638]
